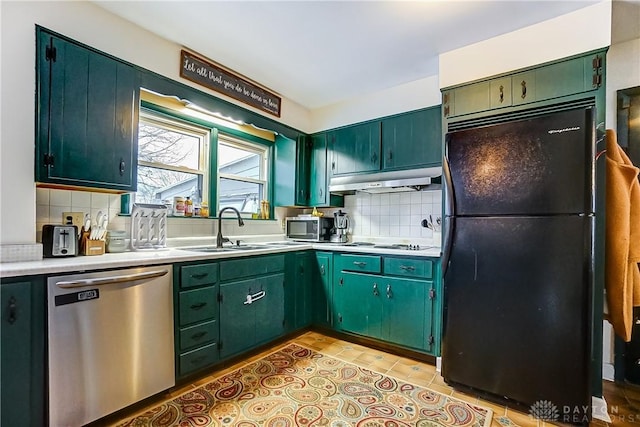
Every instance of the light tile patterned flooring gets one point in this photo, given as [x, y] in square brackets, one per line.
[422, 374]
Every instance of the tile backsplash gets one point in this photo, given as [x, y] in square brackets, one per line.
[396, 215]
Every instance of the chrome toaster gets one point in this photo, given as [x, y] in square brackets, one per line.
[59, 240]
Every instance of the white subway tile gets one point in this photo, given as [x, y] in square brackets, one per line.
[42, 213]
[60, 198]
[80, 201]
[394, 199]
[394, 230]
[416, 197]
[42, 196]
[405, 231]
[99, 201]
[384, 199]
[405, 198]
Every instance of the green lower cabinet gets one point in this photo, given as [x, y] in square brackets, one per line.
[251, 313]
[322, 291]
[304, 269]
[22, 362]
[397, 300]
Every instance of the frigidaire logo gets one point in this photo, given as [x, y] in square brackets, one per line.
[544, 410]
[552, 131]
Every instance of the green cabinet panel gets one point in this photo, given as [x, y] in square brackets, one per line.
[523, 87]
[412, 140]
[22, 359]
[318, 174]
[400, 266]
[297, 297]
[198, 305]
[197, 335]
[355, 148]
[570, 76]
[500, 92]
[361, 263]
[87, 116]
[198, 275]
[291, 167]
[323, 290]
[358, 304]
[404, 312]
[197, 359]
[250, 266]
[245, 324]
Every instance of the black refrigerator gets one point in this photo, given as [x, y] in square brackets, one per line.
[518, 263]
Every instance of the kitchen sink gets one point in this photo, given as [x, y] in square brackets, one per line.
[225, 248]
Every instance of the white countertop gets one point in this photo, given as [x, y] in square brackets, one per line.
[173, 255]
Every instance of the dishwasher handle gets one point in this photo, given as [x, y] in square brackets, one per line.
[112, 279]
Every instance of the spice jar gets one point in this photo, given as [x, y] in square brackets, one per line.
[204, 210]
[188, 207]
[178, 206]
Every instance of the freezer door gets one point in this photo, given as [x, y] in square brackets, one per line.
[541, 165]
[517, 309]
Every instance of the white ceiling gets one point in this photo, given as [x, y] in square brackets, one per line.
[317, 53]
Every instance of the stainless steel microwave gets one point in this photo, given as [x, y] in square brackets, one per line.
[309, 228]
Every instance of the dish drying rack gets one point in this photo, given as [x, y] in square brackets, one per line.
[148, 227]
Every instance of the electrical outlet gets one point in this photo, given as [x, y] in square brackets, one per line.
[77, 218]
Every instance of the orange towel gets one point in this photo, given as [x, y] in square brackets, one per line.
[622, 240]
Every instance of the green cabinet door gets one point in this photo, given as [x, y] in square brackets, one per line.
[291, 169]
[412, 140]
[358, 302]
[22, 360]
[563, 78]
[251, 312]
[237, 319]
[303, 287]
[355, 148]
[269, 310]
[403, 312]
[323, 290]
[87, 117]
[318, 174]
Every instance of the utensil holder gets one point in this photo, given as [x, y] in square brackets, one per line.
[92, 247]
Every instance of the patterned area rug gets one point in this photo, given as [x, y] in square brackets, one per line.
[296, 386]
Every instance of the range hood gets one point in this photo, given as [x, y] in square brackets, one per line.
[386, 182]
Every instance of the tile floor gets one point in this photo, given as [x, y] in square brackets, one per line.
[621, 401]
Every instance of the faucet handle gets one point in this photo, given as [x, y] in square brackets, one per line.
[238, 242]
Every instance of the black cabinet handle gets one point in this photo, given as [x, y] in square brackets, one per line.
[13, 309]
[197, 360]
[321, 193]
[198, 306]
[501, 94]
[122, 165]
[198, 335]
[359, 263]
[407, 267]
[524, 89]
[200, 275]
[374, 158]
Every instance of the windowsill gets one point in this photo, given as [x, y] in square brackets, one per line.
[208, 217]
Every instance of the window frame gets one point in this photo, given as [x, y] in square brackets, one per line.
[215, 130]
[265, 154]
[179, 124]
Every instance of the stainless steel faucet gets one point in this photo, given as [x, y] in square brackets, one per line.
[219, 239]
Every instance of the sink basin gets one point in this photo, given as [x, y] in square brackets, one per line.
[245, 247]
[206, 249]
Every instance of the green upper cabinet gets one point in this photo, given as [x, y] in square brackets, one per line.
[412, 140]
[87, 116]
[292, 162]
[355, 148]
[546, 82]
[318, 175]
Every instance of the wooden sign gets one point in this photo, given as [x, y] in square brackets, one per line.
[209, 75]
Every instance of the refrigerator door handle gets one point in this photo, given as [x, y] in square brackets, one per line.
[449, 220]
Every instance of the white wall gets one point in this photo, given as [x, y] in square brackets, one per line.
[580, 31]
[407, 97]
[93, 26]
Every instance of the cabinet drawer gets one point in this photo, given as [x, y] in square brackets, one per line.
[198, 359]
[408, 267]
[363, 263]
[252, 266]
[198, 305]
[199, 334]
[197, 275]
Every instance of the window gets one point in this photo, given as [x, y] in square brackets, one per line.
[242, 174]
[172, 159]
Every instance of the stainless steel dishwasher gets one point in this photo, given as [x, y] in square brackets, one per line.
[110, 341]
